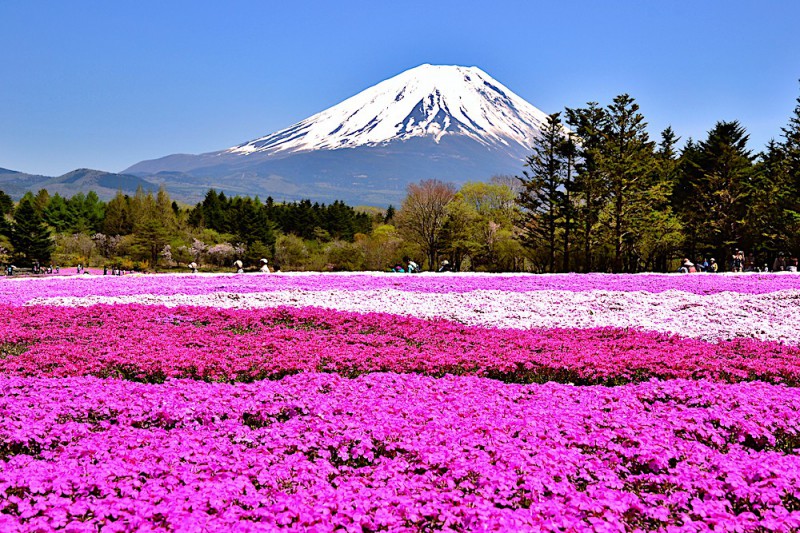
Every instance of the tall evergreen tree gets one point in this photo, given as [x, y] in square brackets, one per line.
[41, 200]
[212, 209]
[654, 230]
[626, 158]
[717, 175]
[542, 196]
[569, 154]
[590, 184]
[6, 204]
[771, 220]
[117, 220]
[164, 211]
[790, 146]
[58, 214]
[30, 236]
[663, 223]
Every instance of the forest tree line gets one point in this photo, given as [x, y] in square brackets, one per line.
[596, 194]
[599, 194]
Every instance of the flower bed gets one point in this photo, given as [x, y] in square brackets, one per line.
[397, 452]
[771, 316]
[400, 403]
[19, 291]
[152, 343]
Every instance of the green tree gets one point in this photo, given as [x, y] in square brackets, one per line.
[117, 220]
[58, 214]
[771, 218]
[150, 230]
[150, 237]
[542, 198]
[718, 173]
[655, 228]
[480, 220]
[6, 204]
[568, 152]
[790, 202]
[164, 211]
[590, 184]
[626, 158]
[388, 217]
[30, 236]
[41, 200]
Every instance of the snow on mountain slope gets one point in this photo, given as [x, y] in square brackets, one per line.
[427, 101]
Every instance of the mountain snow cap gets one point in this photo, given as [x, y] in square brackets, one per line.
[426, 101]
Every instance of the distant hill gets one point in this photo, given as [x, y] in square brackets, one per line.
[15, 184]
[105, 184]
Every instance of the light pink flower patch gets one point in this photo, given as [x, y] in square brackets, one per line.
[19, 291]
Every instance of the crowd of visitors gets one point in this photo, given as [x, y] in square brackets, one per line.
[739, 262]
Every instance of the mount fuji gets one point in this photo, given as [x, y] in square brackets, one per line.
[446, 122]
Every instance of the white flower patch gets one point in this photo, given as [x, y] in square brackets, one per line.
[727, 315]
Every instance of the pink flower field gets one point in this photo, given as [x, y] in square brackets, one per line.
[374, 402]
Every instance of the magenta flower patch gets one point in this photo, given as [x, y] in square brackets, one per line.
[153, 343]
[400, 403]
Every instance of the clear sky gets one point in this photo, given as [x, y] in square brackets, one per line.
[105, 84]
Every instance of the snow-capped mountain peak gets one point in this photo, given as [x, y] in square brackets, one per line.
[427, 101]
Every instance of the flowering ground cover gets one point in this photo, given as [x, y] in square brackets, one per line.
[18, 291]
[400, 403]
[398, 452]
[721, 316]
[153, 343]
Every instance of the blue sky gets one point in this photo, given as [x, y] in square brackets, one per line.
[106, 84]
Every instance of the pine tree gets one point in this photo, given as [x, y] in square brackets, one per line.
[6, 204]
[5, 226]
[94, 211]
[42, 199]
[718, 173]
[791, 152]
[389, 215]
[212, 209]
[117, 220]
[164, 210]
[664, 221]
[626, 158]
[771, 221]
[791, 145]
[590, 184]
[569, 153]
[655, 230]
[542, 197]
[30, 236]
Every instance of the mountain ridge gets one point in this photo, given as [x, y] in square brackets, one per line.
[81, 180]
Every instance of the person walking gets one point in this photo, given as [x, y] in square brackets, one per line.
[239, 266]
[264, 267]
